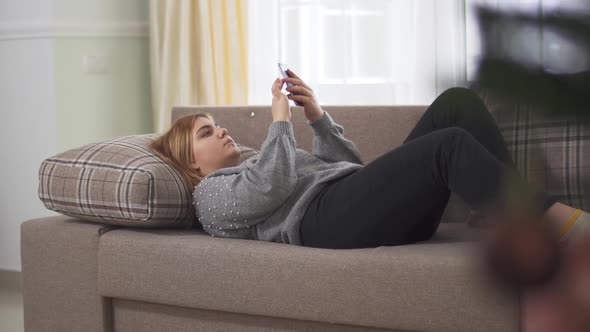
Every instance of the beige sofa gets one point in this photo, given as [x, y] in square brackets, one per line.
[84, 276]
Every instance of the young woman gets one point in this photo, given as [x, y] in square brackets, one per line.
[329, 199]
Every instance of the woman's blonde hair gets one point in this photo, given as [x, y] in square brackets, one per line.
[175, 147]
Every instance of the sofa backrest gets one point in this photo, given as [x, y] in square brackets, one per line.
[374, 129]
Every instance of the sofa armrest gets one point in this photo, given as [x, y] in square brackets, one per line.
[59, 276]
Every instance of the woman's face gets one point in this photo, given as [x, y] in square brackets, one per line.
[213, 148]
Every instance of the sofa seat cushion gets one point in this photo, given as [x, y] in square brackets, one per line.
[437, 285]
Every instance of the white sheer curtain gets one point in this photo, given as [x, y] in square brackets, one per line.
[378, 51]
[359, 51]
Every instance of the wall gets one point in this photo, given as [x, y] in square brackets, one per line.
[92, 107]
[73, 72]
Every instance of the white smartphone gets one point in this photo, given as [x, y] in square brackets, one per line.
[283, 72]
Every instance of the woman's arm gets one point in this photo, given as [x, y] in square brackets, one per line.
[228, 201]
[329, 143]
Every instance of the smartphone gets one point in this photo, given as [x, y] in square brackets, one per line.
[283, 72]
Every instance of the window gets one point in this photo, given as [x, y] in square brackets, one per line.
[359, 51]
[388, 51]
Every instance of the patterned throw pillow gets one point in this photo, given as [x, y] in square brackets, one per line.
[119, 182]
[548, 151]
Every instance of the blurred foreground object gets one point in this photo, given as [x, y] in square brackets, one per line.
[507, 67]
[564, 303]
[576, 270]
[523, 253]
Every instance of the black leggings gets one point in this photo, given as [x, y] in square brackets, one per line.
[399, 197]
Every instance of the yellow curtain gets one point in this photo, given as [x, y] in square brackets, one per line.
[198, 55]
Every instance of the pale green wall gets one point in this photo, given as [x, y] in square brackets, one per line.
[89, 11]
[94, 107]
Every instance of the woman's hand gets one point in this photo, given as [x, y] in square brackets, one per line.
[280, 104]
[302, 93]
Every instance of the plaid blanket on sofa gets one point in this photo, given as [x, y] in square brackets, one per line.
[551, 152]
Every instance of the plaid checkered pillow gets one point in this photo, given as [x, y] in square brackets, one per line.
[549, 152]
[120, 182]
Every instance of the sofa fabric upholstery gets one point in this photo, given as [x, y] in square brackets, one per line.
[133, 316]
[59, 262]
[80, 275]
[431, 286]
